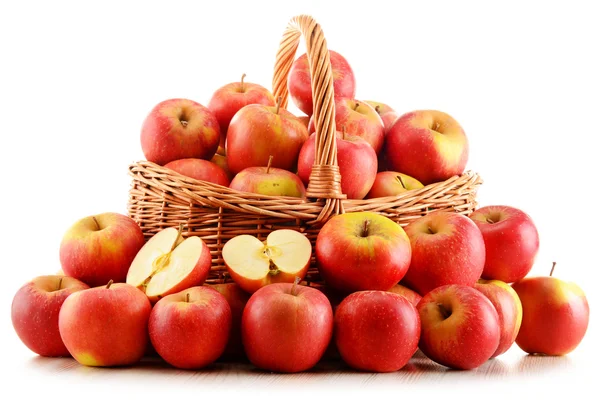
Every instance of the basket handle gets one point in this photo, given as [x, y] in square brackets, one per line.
[325, 179]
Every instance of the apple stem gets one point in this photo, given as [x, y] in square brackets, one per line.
[489, 220]
[269, 164]
[399, 179]
[377, 109]
[356, 105]
[59, 283]
[278, 105]
[97, 224]
[294, 290]
[242, 83]
[109, 283]
[365, 232]
[187, 297]
[552, 270]
[344, 132]
[430, 230]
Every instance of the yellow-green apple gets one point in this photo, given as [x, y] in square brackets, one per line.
[179, 128]
[555, 315]
[201, 170]
[105, 326]
[221, 161]
[299, 81]
[459, 327]
[100, 248]
[447, 248]
[268, 181]
[229, 99]
[390, 183]
[511, 242]
[356, 159]
[168, 264]
[190, 329]
[387, 114]
[510, 312]
[362, 251]
[428, 145]
[237, 299]
[34, 313]
[410, 295]
[376, 331]
[282, 257]
[257, 132]
[286, 327]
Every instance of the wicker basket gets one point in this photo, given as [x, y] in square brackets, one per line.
[161, 198]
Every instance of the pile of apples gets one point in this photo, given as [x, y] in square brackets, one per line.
[456, 287]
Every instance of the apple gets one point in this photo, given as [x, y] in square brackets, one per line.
[299, 81]
[229, 99]
[447, 248]
[508, 306]
[201, 170]
[360, 119]
[410, 295]
[427, 145]
[304, 119]
[555, 315]
[356, 159]
[34, 313]
[390, 183]
[459, 327]
[286, 327]
[168, 264]
[257, 132]
[269, 181]
[105, 326]
[221, 161]
[100, 248]
[511, 242]
[362, 251]
[237, 299]
[387, 114]
[190, 329]
[376, 331]
[177, 129]
[252, 264]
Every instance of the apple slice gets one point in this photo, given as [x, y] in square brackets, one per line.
[169, 264]
[281, 258]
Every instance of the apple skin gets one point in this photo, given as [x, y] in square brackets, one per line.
[221, 161]
[34, 313]
[356, 159]
[299, 81]
[410, 295]
[257, 132]
[453, 254]
[360, 119]
[428, 145]
[201, 170]
[190, 329]
[555, 315]
[376, 331]
[286, 327]
[459, 327]
[177, 129]
[229, 99]
[269, 182]
[106, 326]
[100, 248]
[387, 184]
[511, 242]
[387, 114]
[349, 261]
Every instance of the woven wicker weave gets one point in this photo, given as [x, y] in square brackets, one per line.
[161, 198]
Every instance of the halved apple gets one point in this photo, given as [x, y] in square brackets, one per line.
[169, 264]
[253, 264]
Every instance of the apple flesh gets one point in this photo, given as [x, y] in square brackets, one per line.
[34, 313]
[201, 170]
[390, 183]
[237, 299]
[269, 181]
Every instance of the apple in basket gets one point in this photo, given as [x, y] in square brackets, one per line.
[387, 114]
[221, 161]
[360, 119]
[201, 170]
[390, 183]
[269, 181]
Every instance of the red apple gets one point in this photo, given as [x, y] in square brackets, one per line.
[427, 145]
[35, 309]
[100, 248]
[269, 181]
[362, 251]
[359, 119]
[447, 248]
[286, 327]
[237, 299]
[511, 242]
[201, 170]
[190, 329]
[459, 327]
[106, 325]
[390, 183]
[387, 114]
[229, 99]
[299, 81]
[221, 161]
[179, 128]
[410, 295]
[376, 331]
[357, 161]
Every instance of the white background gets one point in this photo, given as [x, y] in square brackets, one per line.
[77, 79]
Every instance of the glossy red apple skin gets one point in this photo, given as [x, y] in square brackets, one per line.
[410, 295]
[511, 242]
[285, 331]
[356, 159]
[201, 170]
[388, 114]
[34, 313]
[453, 254]
[299, 81]
[360, 119]
[376, 331]
[221, 161]
[459, 327]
